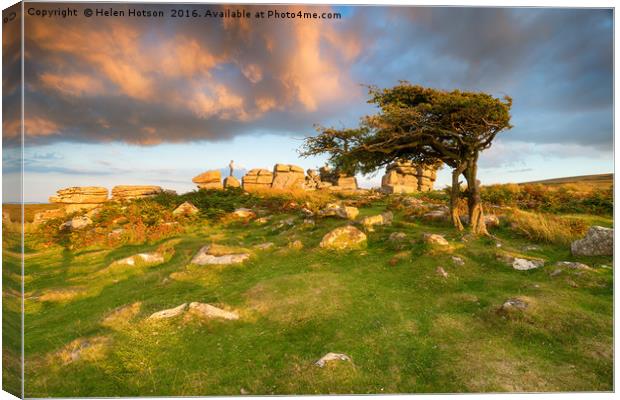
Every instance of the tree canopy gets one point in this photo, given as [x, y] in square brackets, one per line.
[424, 125]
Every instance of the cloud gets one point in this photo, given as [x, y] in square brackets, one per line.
[144, 83]
[215, 81]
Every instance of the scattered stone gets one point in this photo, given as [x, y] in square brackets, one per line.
[531, 248]
[573, 265]
[397, 236]
[490, 220]
[127, 192]
[329, 357]
[458, 261]
[264, 246]
[169, 313]
[344, 238]
[243, 392]
[522, 264]
[571, 283]
[288, 177]
[514, 304]
[76, 223]
[296, 245]
[381, 219]
[231, 182]
[257, 179]
[208, 311]
[185, 209]
[339, 210]
[441, 272]
[262, 220]
[435, 215]
[599, 241]
[144, 258]
[309, 222]
[243, 213]
[212, 255]
[555, 273]
[209, 180]
[435, 239]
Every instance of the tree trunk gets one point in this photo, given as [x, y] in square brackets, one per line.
[455, 194]
[476, 214]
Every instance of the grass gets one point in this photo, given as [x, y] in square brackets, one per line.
[406, 328]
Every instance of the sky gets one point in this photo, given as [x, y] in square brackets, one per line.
[129, 100]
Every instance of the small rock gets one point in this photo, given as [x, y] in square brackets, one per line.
[573, 265]
[264, 246]
[458, 261]
[521, 264]
[436, 215]
[203, 257]
[344, 238]
[309, 222]
[209, 311]
[441, 272]
[514, 304]
[76, 223]
[296, 245]
[397, 237]
[531, 248]
[186, 208]
[339, 210]
[169, 313]
[146, 258]
[261, 220]
[435, 239]
[329, 357]
[381, 219]
[555, 273]
[243, 213]
[243, 392]
[572, 283]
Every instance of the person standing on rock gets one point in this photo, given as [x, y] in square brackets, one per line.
[232, 167]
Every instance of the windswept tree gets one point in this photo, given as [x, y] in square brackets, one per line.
[423, 125]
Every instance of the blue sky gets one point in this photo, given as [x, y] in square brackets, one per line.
[132, 102]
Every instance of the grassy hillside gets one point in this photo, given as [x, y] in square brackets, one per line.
[598, 181]
[406, 327]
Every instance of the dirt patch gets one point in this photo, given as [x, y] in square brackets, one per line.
[300, 297]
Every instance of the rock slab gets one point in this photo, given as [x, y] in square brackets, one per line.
[344, 238]
[599, 241]
[209, 180]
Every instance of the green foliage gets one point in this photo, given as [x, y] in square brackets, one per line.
[547, 228]
[406, 328]
[538, 197]
[415, 123]
[212, 203]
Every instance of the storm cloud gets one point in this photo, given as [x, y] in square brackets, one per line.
[146, 82]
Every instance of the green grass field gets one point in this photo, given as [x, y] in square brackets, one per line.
[406, 328]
